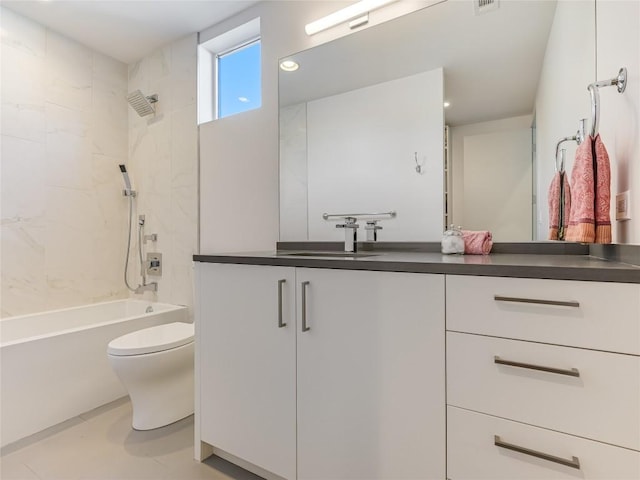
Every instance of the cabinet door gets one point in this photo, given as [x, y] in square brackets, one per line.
[371, 401]
[247, 364]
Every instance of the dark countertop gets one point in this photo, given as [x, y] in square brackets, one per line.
[517, 265]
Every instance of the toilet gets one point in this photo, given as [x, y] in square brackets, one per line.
[156, 367]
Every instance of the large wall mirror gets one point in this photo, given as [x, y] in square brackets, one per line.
[364, 127]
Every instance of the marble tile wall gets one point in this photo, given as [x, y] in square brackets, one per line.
[66, 126]
[163, 159]
[63, 134]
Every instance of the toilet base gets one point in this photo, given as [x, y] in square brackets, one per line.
[160, 385]
[145, 424]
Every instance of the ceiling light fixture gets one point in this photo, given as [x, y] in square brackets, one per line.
[289, 65]
[352, 11]
[446, 104]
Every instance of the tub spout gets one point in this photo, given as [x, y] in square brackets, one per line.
[151, 287]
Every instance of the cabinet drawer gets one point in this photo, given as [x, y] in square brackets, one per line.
[472, 452]
[601, 316]
[601, 402]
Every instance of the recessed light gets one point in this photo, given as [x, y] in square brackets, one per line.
[289, 65]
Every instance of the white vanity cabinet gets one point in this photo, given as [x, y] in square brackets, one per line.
[543, 379]
[247, 363]
[352, 387]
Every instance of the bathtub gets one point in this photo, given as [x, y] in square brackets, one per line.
[54, 366]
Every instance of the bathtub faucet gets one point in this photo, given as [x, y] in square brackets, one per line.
[152, 287]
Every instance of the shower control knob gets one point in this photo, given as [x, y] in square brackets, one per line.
[154, 264]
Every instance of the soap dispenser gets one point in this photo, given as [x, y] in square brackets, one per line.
[452, 240]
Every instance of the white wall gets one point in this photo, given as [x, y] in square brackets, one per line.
[163, 159]
[562, 98]
[65, 128]
[239, 154]
[64, 132]
[497, 184]
[619, 46]
[457, 152]
[357, 138]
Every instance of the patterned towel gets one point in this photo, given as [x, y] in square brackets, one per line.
[559, 206]
[477, 243]
[589, 220]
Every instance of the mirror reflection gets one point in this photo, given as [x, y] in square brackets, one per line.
[445, 116]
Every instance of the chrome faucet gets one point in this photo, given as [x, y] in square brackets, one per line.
[150, 287]
[372, 228]
[350, 234]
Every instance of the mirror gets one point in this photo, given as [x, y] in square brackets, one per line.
[364, 129]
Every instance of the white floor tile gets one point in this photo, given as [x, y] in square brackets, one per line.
[101, 445]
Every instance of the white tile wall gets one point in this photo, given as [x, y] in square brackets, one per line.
[163, 158]
[63, 112]
[65, 128]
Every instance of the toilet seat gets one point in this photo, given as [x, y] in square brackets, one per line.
[153, 339]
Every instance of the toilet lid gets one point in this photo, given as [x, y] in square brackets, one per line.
[152, 339]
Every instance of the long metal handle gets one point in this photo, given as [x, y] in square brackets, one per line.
[305, 327]
[280, 322]
[390, 214]
[573, 463]
[574, 372]
[500, 298]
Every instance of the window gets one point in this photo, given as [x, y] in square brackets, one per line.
[238, 80]
[229, 72]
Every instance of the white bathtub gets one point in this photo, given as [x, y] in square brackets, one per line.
[54, 364]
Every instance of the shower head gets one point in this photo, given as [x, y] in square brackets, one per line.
[141, 104]
[128, 192]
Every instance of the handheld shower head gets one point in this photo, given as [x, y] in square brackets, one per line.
[141, 104]
[128, 192]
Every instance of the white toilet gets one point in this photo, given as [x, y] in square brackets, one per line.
[156, 367]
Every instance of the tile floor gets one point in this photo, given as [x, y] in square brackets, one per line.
[100, 445]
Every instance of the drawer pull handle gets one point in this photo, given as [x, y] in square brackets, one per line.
[574, 372]
[280, 322]
[500, 298]
[305, 327]
[573, 463]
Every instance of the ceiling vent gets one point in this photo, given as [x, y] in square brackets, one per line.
[484, 6]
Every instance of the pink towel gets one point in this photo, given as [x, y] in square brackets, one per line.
[559, 206]
[477, 243]
[589, 220]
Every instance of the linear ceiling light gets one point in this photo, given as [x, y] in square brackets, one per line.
[356, 10]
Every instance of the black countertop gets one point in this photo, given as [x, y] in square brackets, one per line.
[518, 265]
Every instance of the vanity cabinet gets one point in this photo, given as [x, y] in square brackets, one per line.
[247, 363]
[543, 379]
[352, 386]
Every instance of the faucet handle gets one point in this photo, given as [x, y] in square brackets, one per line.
[349, 222]
[372, 230]
[373, 225]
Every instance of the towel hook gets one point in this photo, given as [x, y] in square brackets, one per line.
[578, 138]
[419, 165]
[620, 81]
[560, 168]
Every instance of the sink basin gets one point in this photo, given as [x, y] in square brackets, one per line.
[329, 254]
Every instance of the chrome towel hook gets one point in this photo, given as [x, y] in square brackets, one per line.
[578, 138]
[419, 165]
[620, 81]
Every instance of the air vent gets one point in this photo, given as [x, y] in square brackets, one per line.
[484, 6]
